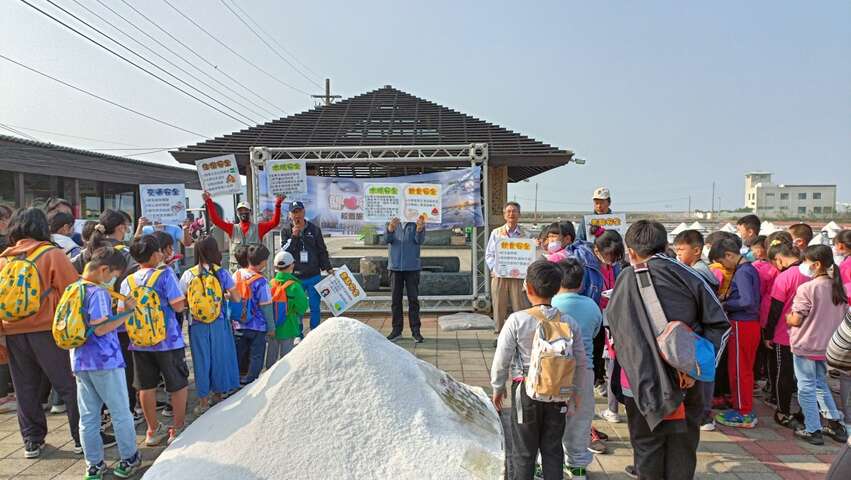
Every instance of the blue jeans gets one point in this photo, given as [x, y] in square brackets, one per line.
[813, 392]
[94, 389]
[254, 343]
[577, 427]
[314, 300]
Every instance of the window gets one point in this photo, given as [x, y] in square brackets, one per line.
[38, 189]
[117, 196]
[769, 195]
[802, 209]
[816, 209]
[802, 196]
[784, 196]
[90, 202]
[8, 192]
[827, 209]
[816, 195]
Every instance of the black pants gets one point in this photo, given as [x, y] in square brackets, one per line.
[783, 378]
[5, 381]
[410, 281]
[124, 340]
[540, 428]
[670, 451]
[32, 355]
[599, 362]
[722, 377]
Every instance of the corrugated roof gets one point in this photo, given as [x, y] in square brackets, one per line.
[386, 116]
[28, 156]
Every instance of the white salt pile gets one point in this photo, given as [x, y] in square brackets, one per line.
[345, 404]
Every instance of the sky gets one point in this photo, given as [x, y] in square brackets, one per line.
[660, 97]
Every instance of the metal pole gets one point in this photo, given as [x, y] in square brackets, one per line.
[712, 210]
[536, 200]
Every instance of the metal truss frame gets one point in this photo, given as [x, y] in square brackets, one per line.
[349, 156]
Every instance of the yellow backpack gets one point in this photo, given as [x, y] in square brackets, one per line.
[20, 286]
[204, 295]
[70, 323]
[146, 327]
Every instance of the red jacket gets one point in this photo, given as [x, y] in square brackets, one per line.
[262, 227]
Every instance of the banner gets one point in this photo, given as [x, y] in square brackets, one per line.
[340, 291]
[609, 221]
[287, 176]
[219, 175]
[338, 204]
[164, 204]
[513, 257]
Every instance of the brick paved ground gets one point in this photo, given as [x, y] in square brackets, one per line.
[766, 452]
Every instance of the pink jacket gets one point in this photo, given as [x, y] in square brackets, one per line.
[821, 318]
[767, 273]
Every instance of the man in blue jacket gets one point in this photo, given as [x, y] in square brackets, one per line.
[404, 264]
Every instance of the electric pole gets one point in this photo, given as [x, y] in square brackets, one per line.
[536, 200]
[327, 98]
[713, 201]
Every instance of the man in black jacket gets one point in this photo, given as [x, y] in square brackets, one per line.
[304, 241]
[664, 419]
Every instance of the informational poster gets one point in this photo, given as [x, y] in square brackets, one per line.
[164, 204]
[219, 175]
[381, 201]
[286, 177]
[609, 221]
[79, 224]
[513, 257]
[422, 199]
[340, 291]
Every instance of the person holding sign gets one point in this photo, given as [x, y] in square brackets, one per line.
[248, 232]
[602, 206]
[304, 241]
[404, 264]
[507, 294]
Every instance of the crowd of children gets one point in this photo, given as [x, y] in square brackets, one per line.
[783, 298]
[103, 321]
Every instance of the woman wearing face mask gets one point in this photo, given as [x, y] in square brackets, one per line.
[245, 232]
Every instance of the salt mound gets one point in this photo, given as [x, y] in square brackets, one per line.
[344, 404]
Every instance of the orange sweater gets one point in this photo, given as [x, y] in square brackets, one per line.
[55, 272]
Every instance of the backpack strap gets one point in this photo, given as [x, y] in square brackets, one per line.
[649, 298]
[152, 279]
[34, 256]
[538, 315]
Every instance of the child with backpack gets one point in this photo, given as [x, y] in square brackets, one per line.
[61, 229]
[85, 323]
[817, 311]
[290, 304]
[257, 320]
[538, 420]
[157, 342]
[589, 319]
[210, 335]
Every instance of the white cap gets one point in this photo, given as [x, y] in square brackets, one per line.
[243, 205]
[283, 259]
[601, 193]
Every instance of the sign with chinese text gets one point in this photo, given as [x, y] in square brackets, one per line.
[219, 175]
[340, 291]
[381, 201]
[163, 203]
[513, 257]
[422, 199]
[609, 221]
[287, 176]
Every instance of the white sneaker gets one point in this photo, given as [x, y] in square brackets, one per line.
[610, 416]
[57, 409]
[600, 390]
[708, 426]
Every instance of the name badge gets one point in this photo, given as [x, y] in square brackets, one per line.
[303, 256]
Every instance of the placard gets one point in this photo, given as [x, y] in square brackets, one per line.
[513, 257]
[382, 201]
[340, 291]
[422, 199]
[609, 221]
[164, 204]
[219, 175]
[287, 176]
[79, 223]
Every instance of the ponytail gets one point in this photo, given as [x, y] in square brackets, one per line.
[824, 255]
[108, 221]
[780, 247]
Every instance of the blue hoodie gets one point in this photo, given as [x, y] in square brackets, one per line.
[593, 282]
[742, 302]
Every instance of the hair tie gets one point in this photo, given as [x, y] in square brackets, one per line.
[100, 228]
[775, 242]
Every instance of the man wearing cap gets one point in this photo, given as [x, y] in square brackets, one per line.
[602, 201]
[248, 232]
[304, 241]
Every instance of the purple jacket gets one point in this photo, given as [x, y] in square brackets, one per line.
[742, 303]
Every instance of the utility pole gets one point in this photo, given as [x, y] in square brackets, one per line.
[536, 200]
[712, 210]
[689, 205]
[327, 98]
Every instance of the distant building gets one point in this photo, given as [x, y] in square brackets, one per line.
[765, 198]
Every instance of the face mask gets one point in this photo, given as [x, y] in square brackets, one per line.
[110, 284]
[553, 247]
[806, 270]
[245, 217]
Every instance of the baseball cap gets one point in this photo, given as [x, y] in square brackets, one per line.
[296, 205]
[243, 205]
[601, 193]
[283, 259]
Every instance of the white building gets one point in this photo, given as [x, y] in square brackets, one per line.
[765, 198]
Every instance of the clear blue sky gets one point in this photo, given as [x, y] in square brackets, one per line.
[661, 98]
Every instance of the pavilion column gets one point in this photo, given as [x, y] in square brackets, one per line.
[498, 191]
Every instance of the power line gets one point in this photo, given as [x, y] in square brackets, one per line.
[275, 51]
[166, 47]
[58, 134]
[18, 132]
[125, 58]
[202, 58]
[228, 48]
[149, 117]
[178, 67]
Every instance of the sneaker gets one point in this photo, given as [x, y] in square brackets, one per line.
[599, 434]
[168, 411]
[630, 471]
[708, 426]
[575, 473]
[600, 390]
[732, 418]
[813, 438]
[610, 416]
[126, 468]
[95, 472]
[539, 473]
[788, 421]
[58, 409]
[173, 433]
[138, 418]
[78, 448]
[33, 449]
[418, 338]
[8, 404]
[200, 409]
[108, 440]
[835, 430]
[156, 437]
[296, 341]
[394, 335]
[597, 445]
